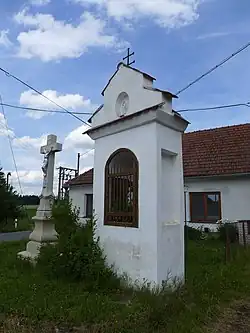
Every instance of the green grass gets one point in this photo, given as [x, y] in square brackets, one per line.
[23, 224]
[211, 285]
[34, 207]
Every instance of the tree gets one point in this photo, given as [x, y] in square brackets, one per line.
[32, 200]
[9, 201]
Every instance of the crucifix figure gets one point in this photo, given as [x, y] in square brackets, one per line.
[128, 58]
[48, 163]
[44, 229]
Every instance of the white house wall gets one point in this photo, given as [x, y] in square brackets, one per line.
[235, 197]
[77, 194]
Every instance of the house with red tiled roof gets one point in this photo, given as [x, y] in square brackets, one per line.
[216, 165]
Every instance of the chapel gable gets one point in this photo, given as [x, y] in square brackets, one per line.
[129, 91]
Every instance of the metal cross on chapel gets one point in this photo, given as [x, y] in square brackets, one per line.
[128, 58]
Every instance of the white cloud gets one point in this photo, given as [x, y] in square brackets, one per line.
[214, 35]
[39, 2]
[69, 101]
[28, 177]
[51, 39]
[4, 39]
[30, 143]
[166, 13]
[4, 129]
[29, 159]
[30, 180]
[76, 140]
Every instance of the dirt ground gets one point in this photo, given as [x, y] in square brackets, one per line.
[235, 319]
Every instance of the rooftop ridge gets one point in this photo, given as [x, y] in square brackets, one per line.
[218, 128]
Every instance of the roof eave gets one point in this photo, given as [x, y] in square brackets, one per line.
[151, 108]
[95, 112]
[228, 175]
[165, 92]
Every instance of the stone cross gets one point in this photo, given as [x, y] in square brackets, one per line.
[49, 151]
[44, 230]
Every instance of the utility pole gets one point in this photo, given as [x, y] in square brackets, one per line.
[59, 182]
[66, 174]
[8, 176]
[78, 163]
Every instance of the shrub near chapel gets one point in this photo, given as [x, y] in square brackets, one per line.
[77, 255]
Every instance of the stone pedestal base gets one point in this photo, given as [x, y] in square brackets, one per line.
[43, 233]
[32, 251]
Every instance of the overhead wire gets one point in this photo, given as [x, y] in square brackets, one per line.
[41, 94]
[22, 145]
[41, 110]
[214, 68]
[86, 152]
[11, 147]
[13, 157]
[225, 106]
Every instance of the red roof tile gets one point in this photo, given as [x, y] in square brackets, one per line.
[85, 178]
[217, 151]
[212, 152]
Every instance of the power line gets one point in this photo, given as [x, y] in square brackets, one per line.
[25, 145]
[214, 68]
[41, 94]
[41, 110]
[226, 106]
[86, 152]
[13, 157]
[11, 148]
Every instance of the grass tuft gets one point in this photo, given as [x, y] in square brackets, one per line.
[38, 301]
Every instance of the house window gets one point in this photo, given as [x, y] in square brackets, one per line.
[205, 207]
[89, 205]
[121, 189]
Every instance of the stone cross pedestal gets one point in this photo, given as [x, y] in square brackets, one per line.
[44, 231]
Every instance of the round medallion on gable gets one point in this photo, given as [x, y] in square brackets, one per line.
[122, 104]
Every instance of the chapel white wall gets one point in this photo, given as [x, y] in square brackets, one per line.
[170, 204]
[235, 194]
[132, 250]
[78, 196]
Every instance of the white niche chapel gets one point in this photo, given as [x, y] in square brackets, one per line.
[138, 178]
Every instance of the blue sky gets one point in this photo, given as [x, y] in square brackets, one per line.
[68, 49]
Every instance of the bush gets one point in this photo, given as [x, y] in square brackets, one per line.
[77, 255]
[232, 232]
[192, 233]
[66, 217]
[10, 207]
